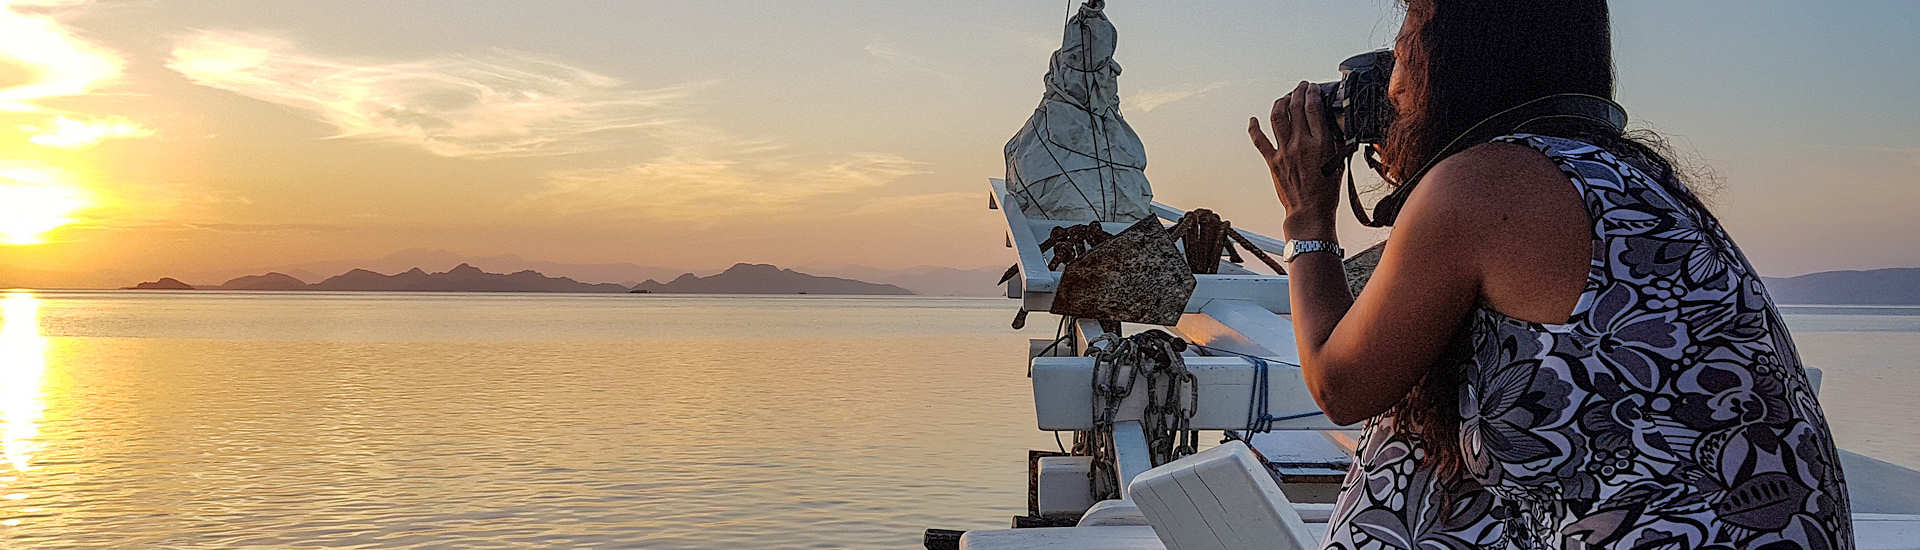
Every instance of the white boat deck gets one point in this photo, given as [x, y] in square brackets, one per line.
[1243, 312]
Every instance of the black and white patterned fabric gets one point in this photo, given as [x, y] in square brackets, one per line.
[1671, 411]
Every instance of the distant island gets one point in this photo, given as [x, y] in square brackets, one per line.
[462, 278]
[1882, 287]
[165, 283]
[739, 279]
[744, 278]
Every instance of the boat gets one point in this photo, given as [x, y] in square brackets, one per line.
[1135, 479]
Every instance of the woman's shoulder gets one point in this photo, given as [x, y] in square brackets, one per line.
[1509, 211]
[1491, 179]
[1496, 161]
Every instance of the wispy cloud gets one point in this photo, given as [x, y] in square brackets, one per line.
[893, 54]
[69, 133]
[688, 187]
[495, 104]
[888, 51]
[266, 228]
[1148, 100]
[511, 104]
[55, 60]
[921, 203]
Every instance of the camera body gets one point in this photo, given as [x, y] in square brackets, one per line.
[1357, 103]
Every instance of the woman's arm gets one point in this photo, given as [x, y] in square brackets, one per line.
[1361, 355]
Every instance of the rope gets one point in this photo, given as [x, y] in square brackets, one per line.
[1060, 334]
[1046, 145]
[1235, 235]
[1258, 419]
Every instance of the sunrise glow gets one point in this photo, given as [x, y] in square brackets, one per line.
[34, 201]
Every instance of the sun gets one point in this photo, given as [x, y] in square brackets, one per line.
[34, 201]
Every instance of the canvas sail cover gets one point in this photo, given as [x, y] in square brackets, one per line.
[1076, 158]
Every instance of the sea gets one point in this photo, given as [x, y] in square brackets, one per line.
[233, 419]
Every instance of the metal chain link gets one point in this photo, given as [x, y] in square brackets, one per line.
[1167, 418]
[1116, 355]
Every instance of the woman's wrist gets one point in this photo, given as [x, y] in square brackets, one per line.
[1306, 227]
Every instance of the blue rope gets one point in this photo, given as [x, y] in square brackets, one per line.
[1258, 420]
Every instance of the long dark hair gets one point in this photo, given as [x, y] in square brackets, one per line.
[1460, 61]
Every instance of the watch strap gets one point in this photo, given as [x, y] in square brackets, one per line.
[1296, 248]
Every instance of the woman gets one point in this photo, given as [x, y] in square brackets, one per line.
[1618, 379]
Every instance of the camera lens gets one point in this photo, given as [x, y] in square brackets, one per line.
[1329, 95]
[1334, 103]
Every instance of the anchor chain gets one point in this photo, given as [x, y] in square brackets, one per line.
[1118, 366]
[1168, 420]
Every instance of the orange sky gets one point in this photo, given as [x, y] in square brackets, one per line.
[149, 138]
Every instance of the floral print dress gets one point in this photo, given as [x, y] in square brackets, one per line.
[1670, 412]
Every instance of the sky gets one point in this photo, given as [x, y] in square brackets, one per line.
[156, 137]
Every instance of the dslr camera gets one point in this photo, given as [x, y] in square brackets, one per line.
[1357, 103]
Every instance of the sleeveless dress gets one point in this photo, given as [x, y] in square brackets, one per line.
[1671, 411]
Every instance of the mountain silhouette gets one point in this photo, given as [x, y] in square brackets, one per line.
[437, 259]
[269, 281]
[165, 283]
[1894, 286]
[923, 280]
[745, 278]
[462, 278]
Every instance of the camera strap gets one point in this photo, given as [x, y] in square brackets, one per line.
[1556, 107]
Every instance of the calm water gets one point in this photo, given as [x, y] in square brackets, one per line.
[233, 419]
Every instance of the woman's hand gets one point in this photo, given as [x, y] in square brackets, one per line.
[1303, 159]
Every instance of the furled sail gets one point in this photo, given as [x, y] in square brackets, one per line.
[1076, 158]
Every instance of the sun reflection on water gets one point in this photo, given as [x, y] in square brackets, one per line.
[22, 366]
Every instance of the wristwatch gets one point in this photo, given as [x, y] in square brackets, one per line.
[1296, 248]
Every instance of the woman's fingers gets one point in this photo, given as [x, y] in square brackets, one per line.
[1260, 141]
[1297, 114]
[1278, 118]
[1296, 149]
[1316, 117]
